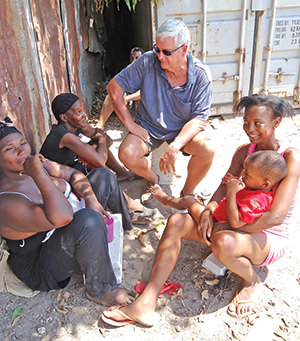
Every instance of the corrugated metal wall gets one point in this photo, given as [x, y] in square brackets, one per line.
[41, 47]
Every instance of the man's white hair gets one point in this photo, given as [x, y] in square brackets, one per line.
[174, 28]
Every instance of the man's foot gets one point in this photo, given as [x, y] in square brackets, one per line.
[116, 296]
[243, 303]
[131, 313]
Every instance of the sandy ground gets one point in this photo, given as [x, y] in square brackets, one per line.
[200, 313]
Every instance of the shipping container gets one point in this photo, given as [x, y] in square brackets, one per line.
[251, 46]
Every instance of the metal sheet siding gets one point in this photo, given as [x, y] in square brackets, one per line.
[40, 57]
[21, 88]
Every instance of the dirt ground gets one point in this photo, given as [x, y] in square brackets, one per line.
[200, 313]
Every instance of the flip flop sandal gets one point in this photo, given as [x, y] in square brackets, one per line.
[137, 219]
[127, 319]
[236, 305]
[170, 288]
[198, 197]
[116, 323]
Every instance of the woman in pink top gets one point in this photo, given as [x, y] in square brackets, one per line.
[238, 249]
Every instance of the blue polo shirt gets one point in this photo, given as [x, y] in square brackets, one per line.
[164, 110]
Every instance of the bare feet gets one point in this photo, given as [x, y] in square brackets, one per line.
[135, 312]
[244, 302]
[135, 205]
[160, 195]
[116, 296]
[165, 200]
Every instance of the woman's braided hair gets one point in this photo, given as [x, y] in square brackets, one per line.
[7, 127]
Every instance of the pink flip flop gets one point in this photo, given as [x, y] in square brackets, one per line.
[170, 288]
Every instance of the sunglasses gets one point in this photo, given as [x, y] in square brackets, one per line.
[165, 52]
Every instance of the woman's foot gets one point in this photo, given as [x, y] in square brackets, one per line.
[165, 200]
[244, 301]
[130, 314]
[160, 195]
[116, 296]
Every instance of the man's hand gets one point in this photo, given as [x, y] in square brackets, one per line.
[139, 131]
[168, 159]
[205, 226]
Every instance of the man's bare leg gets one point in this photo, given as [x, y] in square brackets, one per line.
[238, 251]
[202, 157]
[179, 226]
[132, 153]
[106, 111]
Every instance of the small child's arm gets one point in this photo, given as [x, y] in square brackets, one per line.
[232, 187]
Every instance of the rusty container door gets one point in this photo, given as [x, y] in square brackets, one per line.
[234, 38]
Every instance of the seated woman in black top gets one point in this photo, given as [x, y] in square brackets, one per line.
[64, 146]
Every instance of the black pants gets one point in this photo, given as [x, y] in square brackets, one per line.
[79, 246]
[82, 246]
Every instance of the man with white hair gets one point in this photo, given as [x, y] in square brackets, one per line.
[175, 103]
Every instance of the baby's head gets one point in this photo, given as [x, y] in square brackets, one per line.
[264, 169]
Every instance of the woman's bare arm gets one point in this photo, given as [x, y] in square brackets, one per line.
[96, 156]
[205, 223]
[20, 214]
[78, 181]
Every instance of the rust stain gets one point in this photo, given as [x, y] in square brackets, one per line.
[50, 43]
[18, 88]
[33, 65]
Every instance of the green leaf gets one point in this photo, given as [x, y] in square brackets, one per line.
[128, 4]
[16, 312]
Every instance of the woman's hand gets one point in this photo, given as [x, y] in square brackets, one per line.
[96, 206]
[205, 226]
[33, 165]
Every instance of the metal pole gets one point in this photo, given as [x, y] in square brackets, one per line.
[204, 52]
[241, 49]
[269, 49]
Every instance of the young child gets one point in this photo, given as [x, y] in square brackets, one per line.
[246, 198]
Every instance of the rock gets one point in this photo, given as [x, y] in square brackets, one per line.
[41, 330]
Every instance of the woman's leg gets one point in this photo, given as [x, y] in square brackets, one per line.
[109, 194]
[179, 226]
[82, 245]
[239, 251]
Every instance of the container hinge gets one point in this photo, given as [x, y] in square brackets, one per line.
[225, 78]
[278, 75]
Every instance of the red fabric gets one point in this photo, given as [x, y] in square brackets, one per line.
[251, 205]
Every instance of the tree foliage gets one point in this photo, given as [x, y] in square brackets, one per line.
[101, 4]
